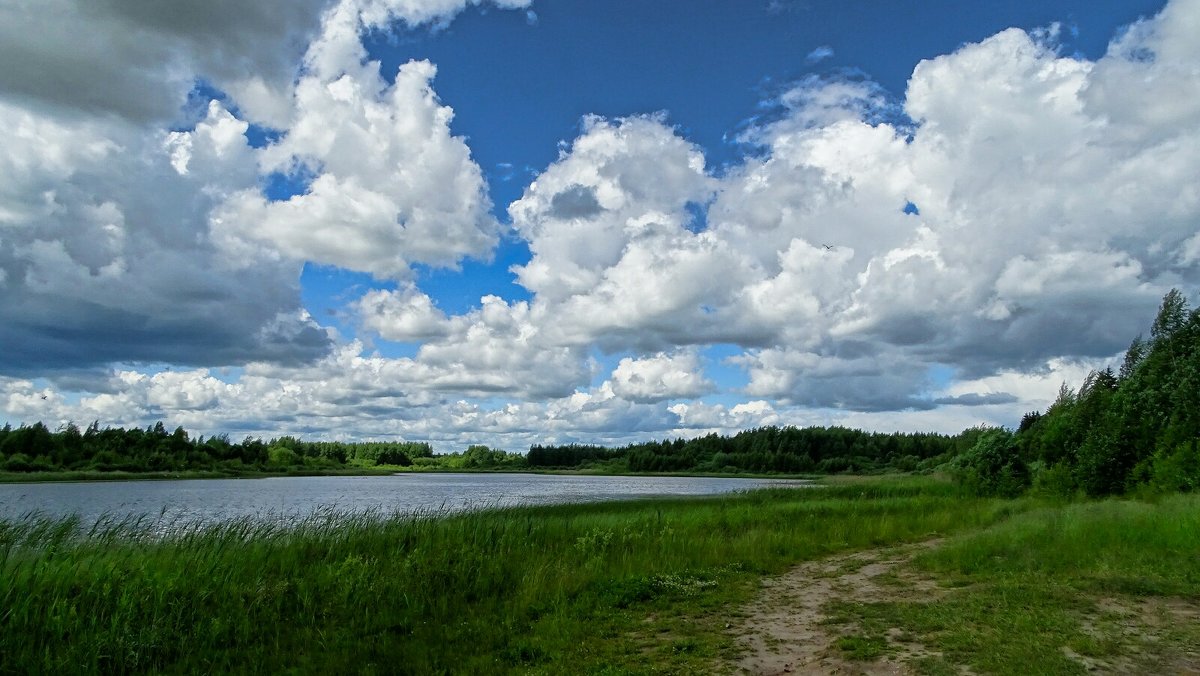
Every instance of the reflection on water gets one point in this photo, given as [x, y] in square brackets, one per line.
[284, 499]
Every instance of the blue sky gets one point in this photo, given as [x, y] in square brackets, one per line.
[520, 83]
[512, 222]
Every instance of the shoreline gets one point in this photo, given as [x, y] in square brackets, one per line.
[186, 475]
[693, 585]
[192, 475]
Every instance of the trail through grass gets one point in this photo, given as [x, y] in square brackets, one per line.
[634, 586]
[1110, 587]
[630, 587]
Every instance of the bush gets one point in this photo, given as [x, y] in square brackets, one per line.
[993, 466]
[282, 456]
[1178, 470]
[18, 462]
[1056, 480]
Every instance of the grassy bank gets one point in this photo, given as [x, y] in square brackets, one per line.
[1111, 586]
[545, 589]
[632, 587]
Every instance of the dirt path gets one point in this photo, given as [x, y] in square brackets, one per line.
[785, 630]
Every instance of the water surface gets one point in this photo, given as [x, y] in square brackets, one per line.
[287, 498]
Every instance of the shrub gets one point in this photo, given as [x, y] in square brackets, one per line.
[18, 462]
[282, 456]
[1056, 480]
[993, 466]
[1178, 470]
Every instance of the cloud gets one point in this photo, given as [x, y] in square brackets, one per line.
[615, 257]
[406, 315]
[698, 418]
[619, 181]
[390, 185]
[499, 349]
[661, 377]
[867, 381]
[106, 255]
[138, 60]
[347, 395]
[819, 54]
[124, 242]
[1049, 220]
[1054, 202]
[576, 201]
[976, 399]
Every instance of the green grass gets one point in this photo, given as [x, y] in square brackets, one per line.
[633, 587]
[862, 647]
[1052, 588]
[615, 588]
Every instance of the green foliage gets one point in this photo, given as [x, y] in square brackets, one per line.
[376, 452]
[1130, 431]
[1058, 481]
[863, 648]
[1017, 595]
[792, 450]
[393, 456]
[564, 589]
[479, 456]
[281, 456]
[95, 451]
[19, 462]
[476, 457]
[993, 466]
[1176, 470]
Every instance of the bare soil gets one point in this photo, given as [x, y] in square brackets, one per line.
[787, 628]
[786, 631]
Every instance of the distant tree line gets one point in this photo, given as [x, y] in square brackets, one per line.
[1134, 430]
[35, 448]
[823, 450]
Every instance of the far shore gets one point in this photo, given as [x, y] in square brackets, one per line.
[89, 476]
[86, 476]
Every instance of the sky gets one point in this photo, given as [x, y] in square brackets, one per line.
[547, 221]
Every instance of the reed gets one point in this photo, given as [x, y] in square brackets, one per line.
[626, 587]
[507, 589]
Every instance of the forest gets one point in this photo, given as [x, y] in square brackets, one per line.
[1133, 430]
[1136, 429]
[1125, 431]
[820, 450]
[35, 448]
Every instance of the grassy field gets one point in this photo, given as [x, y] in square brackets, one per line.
[1112, 586]
[631, 587]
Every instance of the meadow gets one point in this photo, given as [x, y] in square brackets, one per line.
[630, 587]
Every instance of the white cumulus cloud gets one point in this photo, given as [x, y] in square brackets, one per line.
[661, 376]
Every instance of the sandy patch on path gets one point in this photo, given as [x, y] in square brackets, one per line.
[785, 630]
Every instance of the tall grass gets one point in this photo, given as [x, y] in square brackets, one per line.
[523, 589]
[1055, 588]
[1116, 545]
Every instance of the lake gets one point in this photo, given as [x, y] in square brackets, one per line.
[287, 498]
